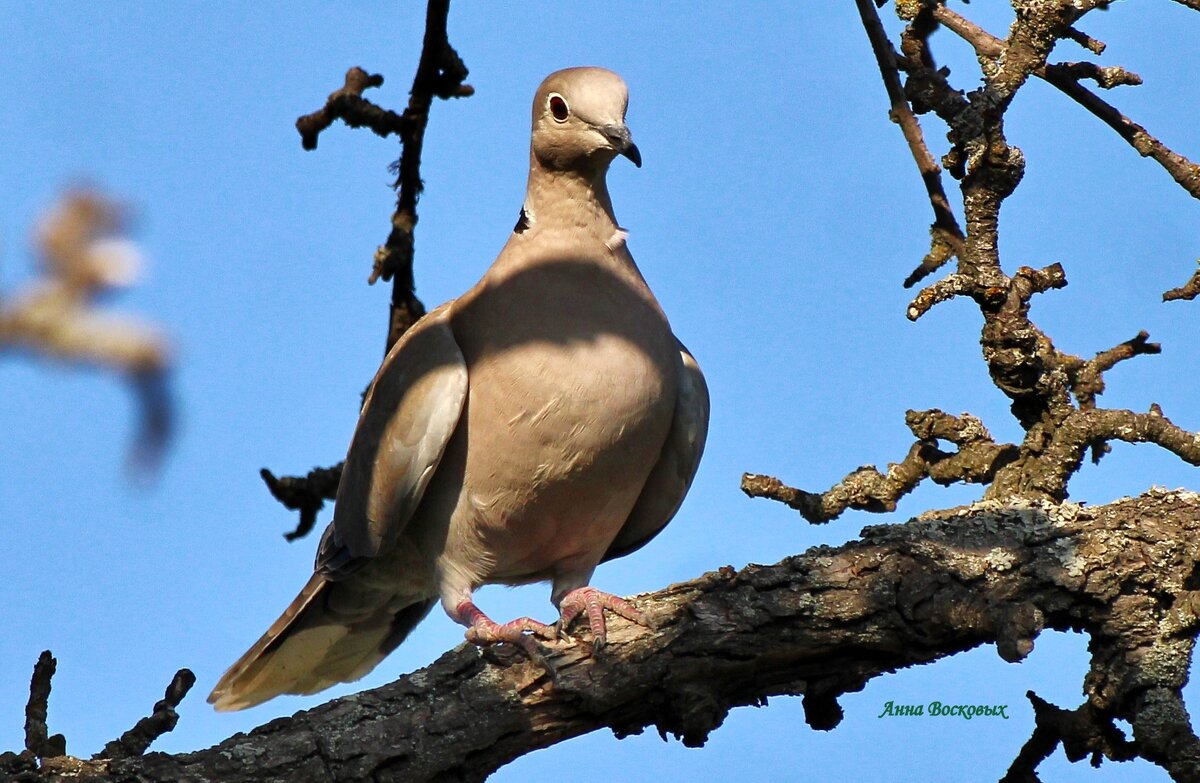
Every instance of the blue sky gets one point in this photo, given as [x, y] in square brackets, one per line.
[775, 216]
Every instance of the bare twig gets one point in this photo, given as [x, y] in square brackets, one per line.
[37, 738]
[943, 290]
[306, 494]
[1107, 77]
[946, 238]
[1086, 41]
[1188, 290]
[1182, 170]
[440, 73]
[977, 460]
[162, 720]
[1083, 732]
[348, 105]
[1087, 378]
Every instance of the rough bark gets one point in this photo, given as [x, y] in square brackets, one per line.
[818, 625]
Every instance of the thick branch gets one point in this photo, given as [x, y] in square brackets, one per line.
[1164, 733]
[821, 624]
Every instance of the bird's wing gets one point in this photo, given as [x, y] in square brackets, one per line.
[672, 475]
[411, 410]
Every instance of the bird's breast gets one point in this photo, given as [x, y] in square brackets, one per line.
[567, 411]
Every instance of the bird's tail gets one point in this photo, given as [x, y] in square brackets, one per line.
[313, 645]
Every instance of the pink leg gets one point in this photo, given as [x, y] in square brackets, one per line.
[482, 630]
[594, 602]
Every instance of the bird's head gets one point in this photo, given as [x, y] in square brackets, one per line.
[579, 121]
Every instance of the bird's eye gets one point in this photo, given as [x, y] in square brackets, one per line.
[558, 108]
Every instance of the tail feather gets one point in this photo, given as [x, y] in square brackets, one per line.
[310, 647]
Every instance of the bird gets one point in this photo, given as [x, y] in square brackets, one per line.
[544, 422]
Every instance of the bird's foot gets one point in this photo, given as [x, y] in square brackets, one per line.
[483, 631]
[594, 602]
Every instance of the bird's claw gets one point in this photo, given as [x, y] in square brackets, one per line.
[482, 631]
[593, 602]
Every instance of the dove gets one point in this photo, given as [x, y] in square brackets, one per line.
[542, 423]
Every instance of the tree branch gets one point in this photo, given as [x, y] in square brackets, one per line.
[1087, 378]
[946, 238]
[162, 720]
[977, 460]
[306, 494]
[1182, 170]
[1083, 732]
[84, 258]
[819, 625]
[440, 73]
[37, 736]
[1188, 290]
[348, 105]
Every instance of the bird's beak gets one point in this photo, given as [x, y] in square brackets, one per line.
[622, 142]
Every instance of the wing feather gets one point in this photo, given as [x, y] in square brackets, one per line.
[672, 475]
[411, 410]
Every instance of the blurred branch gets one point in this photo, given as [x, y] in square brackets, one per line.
[83, 257]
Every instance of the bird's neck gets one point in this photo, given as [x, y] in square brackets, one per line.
[569, 199]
